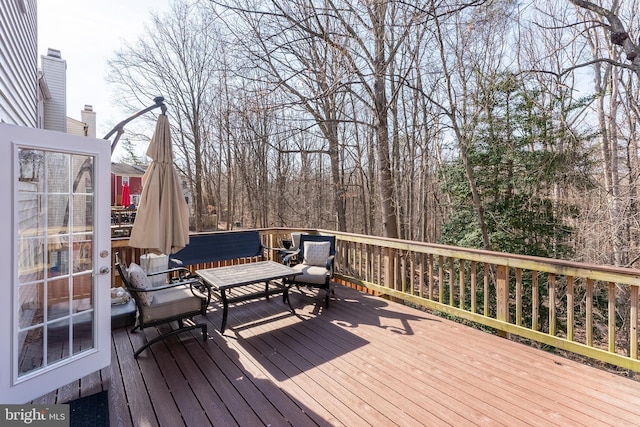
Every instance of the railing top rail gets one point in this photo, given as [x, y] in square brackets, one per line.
[607, 273]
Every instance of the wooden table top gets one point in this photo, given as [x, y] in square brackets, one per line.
[245, 274]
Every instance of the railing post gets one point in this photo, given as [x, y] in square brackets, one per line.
[502, 296]
[633, 323]
[589, 310]
[535, 302]
[388, 266]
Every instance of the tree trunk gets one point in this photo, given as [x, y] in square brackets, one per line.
[387, 192]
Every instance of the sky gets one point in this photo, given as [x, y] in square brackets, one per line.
[87, 33]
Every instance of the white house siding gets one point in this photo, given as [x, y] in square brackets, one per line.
[76, 127]
[18, 62]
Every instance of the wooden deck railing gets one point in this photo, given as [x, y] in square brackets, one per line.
[589, 310]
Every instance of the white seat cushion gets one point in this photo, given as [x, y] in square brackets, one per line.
[311, 274]
[138, 279]
[171, 302]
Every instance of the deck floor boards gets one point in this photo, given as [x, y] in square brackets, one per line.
[364, 361]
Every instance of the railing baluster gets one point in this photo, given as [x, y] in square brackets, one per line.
[486, 290]
[451, 282]
[519, 296]
[633, 324]
[461, 283]
[535, 302]
[421, 284]
[395, 270]
[369, 258]
[379, 265]
[412, 270]
[570, 320]
[589, 312]
[441, 279]
[387, 266]
[402, 261]
[612, 317]
[474, 279]
[552, 304]
[360, 263]
[431, 278]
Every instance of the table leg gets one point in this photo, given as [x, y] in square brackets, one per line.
[285, 295]
[225, 309]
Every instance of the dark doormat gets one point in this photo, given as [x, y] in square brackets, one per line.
[90, 411]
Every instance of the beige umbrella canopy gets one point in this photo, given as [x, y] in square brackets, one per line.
[162, 219]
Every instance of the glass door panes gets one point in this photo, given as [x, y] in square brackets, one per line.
[55, 286]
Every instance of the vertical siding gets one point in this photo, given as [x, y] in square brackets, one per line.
[55, 108]
[18, 62]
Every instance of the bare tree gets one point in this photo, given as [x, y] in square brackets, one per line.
[319, 51]
[302, 66]
[608, 38]
[176, 58]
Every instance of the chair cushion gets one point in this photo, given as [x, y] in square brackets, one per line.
[316, 253]
[138, 278]
[171, 302]
[311, 274]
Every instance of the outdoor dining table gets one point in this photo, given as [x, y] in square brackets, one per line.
[223, 279]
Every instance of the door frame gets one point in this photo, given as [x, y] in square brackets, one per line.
[14, 389]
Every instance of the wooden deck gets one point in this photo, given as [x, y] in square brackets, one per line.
[365, 361]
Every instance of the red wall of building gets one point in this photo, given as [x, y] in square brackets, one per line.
[135, 188]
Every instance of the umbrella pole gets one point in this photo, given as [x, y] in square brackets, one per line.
[119, 128]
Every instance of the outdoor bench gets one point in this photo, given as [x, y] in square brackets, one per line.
[219, 247]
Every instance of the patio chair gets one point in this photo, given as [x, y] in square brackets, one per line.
[295, 245]
[177, 300]
[315, 256]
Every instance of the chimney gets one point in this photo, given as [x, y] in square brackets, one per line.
[54, 69]
[88, 116]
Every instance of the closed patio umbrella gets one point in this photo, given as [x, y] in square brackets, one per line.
[126, 197]
[162, 221]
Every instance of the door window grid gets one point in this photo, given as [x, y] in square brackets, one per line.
[55, 285]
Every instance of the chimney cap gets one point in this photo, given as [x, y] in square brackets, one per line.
[55, 53]
[88, 107]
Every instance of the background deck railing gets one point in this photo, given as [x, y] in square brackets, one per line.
[590, 310]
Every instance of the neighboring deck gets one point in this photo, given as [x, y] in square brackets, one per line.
[365, 361]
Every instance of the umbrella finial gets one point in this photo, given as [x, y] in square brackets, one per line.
[159, 100]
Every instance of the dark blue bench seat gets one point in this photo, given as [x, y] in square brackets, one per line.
[219, 247]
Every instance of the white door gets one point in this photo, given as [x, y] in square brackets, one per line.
[55, 260]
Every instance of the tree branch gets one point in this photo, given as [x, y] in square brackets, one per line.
[619, 34]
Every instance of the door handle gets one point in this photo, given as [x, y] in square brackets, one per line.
[105, 270]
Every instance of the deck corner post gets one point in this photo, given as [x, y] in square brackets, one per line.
[502, 296]
[388, 268]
